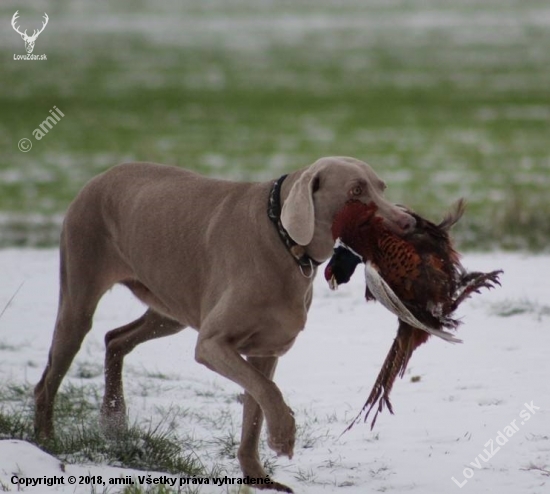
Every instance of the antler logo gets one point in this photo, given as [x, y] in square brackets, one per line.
[29, 40]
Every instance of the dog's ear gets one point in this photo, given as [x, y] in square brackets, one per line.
[298, 214]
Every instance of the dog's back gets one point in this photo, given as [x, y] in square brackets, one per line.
[169, 229]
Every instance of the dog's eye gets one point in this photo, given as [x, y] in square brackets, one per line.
[357, 190]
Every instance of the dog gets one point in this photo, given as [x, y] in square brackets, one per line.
[235, 261]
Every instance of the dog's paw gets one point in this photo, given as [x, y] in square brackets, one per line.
[282, 436]
[274, 486]
[113, 420]
[251, 467]
[43, 432]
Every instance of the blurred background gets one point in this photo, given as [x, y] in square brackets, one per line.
[444, 98]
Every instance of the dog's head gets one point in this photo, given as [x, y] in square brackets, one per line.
[321, 190]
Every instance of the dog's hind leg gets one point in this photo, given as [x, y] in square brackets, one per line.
[80, 291]
[119, 343]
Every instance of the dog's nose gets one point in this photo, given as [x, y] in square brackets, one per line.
[406, 222]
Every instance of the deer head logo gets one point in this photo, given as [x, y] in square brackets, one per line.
[29, 40]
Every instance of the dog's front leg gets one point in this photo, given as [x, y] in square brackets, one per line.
[253, 418]
[221, 357]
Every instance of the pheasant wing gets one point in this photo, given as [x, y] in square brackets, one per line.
[387, 297]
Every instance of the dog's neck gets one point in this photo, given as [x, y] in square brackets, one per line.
[307, 264]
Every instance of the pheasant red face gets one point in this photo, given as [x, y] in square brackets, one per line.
[417, 276]
[351, 217]
[349, 227]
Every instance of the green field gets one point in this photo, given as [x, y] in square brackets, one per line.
[443, 98]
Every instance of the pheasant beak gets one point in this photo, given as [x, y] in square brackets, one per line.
[330, 277]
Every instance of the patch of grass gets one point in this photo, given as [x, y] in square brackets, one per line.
[160, 489]
[148, 489]
[15, 392]
[332, 464]
[270, 465]
[87, 370]
[537, 437]
[509, 308]
[156, 447]
[441, 111]
[77, 403]
[227, 445]
[221, 419]
[375, 436]
[153, 449]
[380, 472]
[15, 412]
[310, 431]
[542, 468]
[306, 476]
[7, 347]
[159, 375]
[14, 424]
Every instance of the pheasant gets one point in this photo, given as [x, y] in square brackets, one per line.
[417, 276]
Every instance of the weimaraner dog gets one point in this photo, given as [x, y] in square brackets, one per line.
[235, 261]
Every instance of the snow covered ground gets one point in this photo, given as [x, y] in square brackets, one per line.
[467, 396]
